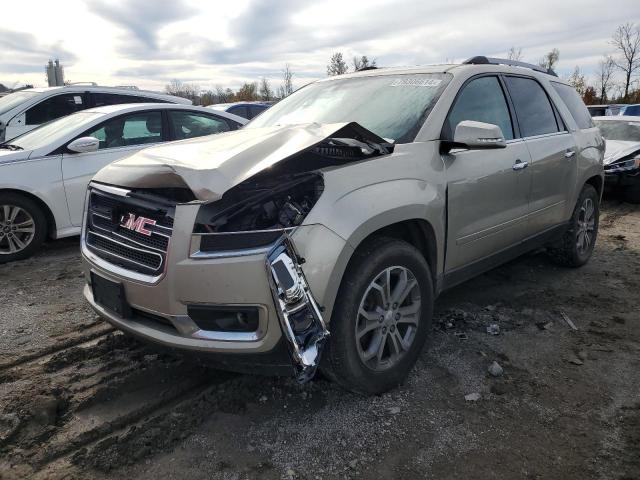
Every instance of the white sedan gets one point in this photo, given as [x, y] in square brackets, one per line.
[44, 173]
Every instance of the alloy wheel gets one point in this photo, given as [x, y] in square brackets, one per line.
[585, 232]
[388, 318]
[17, 229]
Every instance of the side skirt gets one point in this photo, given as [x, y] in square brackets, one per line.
[462, 274]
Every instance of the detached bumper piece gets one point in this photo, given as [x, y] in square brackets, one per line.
[299, 314]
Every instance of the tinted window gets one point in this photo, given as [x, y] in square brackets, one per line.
[481, 100]
[632, 110]
[240, 110]
[575, 105]
[135, 129]
[189, 125]
[55, 107]
[534, 111]
[100, 99]
[255, 110]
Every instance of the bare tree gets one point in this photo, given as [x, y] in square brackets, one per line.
[363, 62]
[287, 81]
[626, 39]
[604, 76]
[515, 54]
[184, 90]
[337, 65]
[222, 95]
[248, 92]
[265, 91]
[550, 59]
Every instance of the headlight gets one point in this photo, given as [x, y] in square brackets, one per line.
[255, 213]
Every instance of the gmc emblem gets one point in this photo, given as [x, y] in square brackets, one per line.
[137, 224]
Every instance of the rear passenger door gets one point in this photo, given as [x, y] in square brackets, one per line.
[552, 149]
[488, 190]
[119, 137]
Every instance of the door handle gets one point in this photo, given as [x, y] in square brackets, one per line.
[569, 153]
[520, 165]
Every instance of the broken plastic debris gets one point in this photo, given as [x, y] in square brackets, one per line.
[568, 320]
[495, 370]
[493, 329]
[472, 397]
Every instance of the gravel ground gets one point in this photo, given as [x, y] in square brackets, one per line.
[78, 400]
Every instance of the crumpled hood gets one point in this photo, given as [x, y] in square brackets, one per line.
[209, 166]
[616, 149]
[10, 156]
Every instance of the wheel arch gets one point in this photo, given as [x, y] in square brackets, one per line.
[51, 221]
[596, 182]
[417, 231]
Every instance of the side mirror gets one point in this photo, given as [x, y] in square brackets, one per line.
[84, 145]
[476, 135]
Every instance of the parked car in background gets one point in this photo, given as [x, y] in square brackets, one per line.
[26, 109]
[622, 157]
[246, 110]
[44, 173]
[346, 208]
[597, 110]
[630, 110]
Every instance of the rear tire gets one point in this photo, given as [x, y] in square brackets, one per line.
[374, 353]
[577, 243]
[23, 227]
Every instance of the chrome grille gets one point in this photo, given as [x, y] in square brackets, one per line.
[131, 249]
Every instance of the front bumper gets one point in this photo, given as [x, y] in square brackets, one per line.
[614, 179]
[160, 305]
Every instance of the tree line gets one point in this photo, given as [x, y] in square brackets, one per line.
[615, 79]
[249, 91]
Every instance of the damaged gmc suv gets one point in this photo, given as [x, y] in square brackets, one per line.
[320, 234]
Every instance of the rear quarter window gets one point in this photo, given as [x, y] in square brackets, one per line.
[575, 105]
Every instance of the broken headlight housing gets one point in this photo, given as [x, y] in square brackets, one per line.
[255, 213]
[630, 162]
[299, 314]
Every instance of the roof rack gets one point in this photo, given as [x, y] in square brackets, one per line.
[82, 83]
[482, 60]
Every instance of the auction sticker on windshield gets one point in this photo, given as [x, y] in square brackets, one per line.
[416, 82]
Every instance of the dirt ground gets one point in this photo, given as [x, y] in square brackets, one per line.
[78, 400]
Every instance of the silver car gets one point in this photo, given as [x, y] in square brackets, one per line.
[320, 234]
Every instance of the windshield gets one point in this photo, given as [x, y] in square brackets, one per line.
[392, 106]
[619, 130]
[50, 132]
[14, 99]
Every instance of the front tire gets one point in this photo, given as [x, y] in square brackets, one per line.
[381, 318]
[23, 227]
[577, 243]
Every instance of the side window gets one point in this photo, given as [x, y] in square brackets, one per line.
[103, 98]
[255, 110]
[481, 100]
[575, 105]
[135, 129]
[189, 124]
[240, 110]
[55, 107]
[533, 109]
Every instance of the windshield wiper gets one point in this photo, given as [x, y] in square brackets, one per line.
[11, 147]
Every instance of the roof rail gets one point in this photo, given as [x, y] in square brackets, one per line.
[81, 83]
[482, 60]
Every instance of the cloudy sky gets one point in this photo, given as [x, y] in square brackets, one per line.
[149, 42]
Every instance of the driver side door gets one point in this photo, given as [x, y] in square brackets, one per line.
[119, 137]
[488, 189]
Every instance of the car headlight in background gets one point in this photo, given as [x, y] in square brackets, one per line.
[256, 213]
[630, 162]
